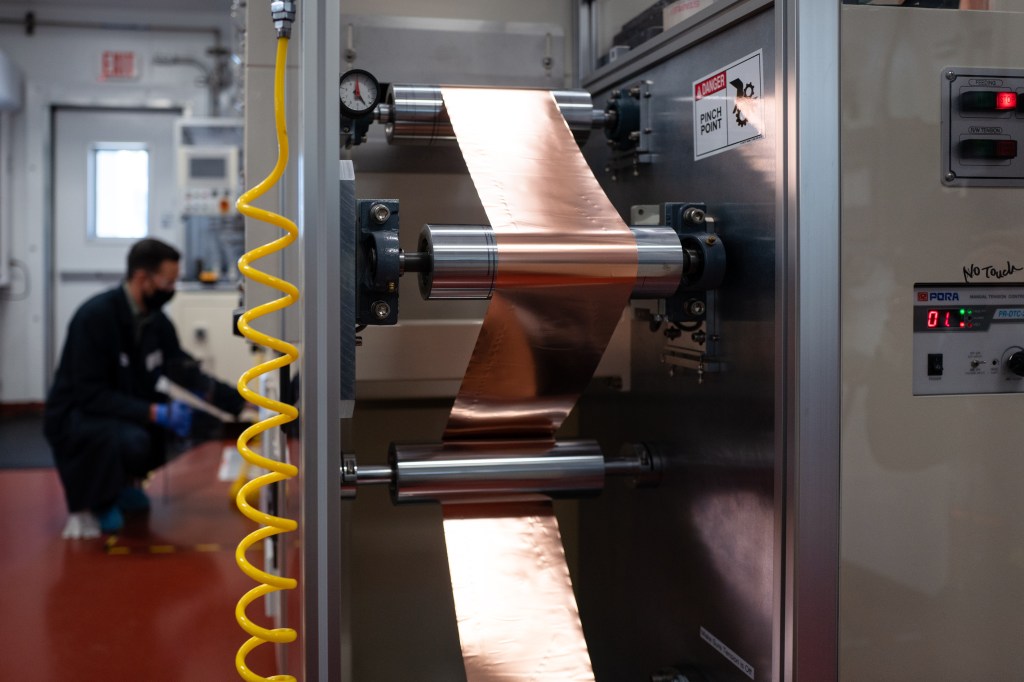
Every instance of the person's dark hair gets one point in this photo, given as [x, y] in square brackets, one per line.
[148, 254]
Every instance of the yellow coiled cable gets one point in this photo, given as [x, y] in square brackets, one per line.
[278, 471]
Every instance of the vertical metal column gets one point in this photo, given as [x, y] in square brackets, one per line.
[807, 412]
[327, 658]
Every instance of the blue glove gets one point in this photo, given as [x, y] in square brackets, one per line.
[175, 416]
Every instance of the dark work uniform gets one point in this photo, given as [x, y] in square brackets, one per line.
[97, 412]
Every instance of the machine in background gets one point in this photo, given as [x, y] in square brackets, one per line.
[209, 177]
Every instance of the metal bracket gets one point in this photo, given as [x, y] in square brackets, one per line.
[696, 301]
[353, 131]
[630, 138]
[378, 262]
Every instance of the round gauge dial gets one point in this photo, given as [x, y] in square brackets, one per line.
[359, 93]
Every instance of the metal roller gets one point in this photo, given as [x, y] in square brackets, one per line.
[661, 262]
[415, 114]
[472, 472]
[445, 473]
[460, 262]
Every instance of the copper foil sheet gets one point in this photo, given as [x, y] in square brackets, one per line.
[566, 267]
[516, 611]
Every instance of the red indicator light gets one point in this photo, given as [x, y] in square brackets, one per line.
[1006, 149]
[1006, 101]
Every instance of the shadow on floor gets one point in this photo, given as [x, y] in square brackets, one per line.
[22, 445]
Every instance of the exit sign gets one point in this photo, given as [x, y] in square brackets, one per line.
[115, 65]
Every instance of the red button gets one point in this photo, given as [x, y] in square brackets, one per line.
[1006, 149]
[1006, 101]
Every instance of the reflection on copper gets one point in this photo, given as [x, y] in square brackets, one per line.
[567, 265]
[517, 614]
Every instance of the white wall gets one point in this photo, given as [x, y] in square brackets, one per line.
[558, 12]
[551, 11]
[61, 66]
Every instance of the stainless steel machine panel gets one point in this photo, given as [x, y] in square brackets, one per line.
[682, 576]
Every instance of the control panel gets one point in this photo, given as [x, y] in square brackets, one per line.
[982, 127]
[208, 178]
[968, 339]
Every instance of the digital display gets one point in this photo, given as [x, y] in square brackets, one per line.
[947, 319]
[207, 167]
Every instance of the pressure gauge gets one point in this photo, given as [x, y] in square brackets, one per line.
[359, 93]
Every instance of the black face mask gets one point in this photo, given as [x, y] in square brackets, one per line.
[157, 299]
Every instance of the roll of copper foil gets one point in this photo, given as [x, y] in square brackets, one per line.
[567, 265]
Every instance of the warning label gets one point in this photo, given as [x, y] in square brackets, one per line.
[728, 107]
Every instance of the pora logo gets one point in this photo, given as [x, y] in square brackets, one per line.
[938, 296]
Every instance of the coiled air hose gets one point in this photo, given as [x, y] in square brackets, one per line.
[278, 470]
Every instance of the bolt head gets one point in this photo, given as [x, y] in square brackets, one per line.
[380, 310]
[950, 176]
[380, 213]
[694, 215]
[951, 75]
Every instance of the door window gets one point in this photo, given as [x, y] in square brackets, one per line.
[120, 191]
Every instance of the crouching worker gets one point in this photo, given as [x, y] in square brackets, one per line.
[105, 421]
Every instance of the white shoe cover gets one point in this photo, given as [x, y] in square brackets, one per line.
[81, 526]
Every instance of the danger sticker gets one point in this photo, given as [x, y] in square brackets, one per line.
[728, 107]
[709, 86]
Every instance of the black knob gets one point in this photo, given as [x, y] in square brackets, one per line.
[1015, 363]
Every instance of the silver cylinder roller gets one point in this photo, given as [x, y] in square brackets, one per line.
[461, 261]
[447, 473]
[661, 262]
[457, 472]
[415, 114]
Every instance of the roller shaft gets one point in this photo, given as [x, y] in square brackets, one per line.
[415, 114]
[444, 473]
[461, 262]
[465, 473]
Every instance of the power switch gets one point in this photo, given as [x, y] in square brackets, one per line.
[935, 364]
[988, 149]
[988, 101]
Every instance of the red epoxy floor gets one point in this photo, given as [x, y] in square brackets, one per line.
[156, 603]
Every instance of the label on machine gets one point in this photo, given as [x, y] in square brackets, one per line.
[728, 107]
[968, 339]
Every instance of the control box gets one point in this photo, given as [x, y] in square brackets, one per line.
[982, 127]
[208, 178]
[968, 339]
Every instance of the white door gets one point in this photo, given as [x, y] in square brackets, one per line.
[113, 183]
